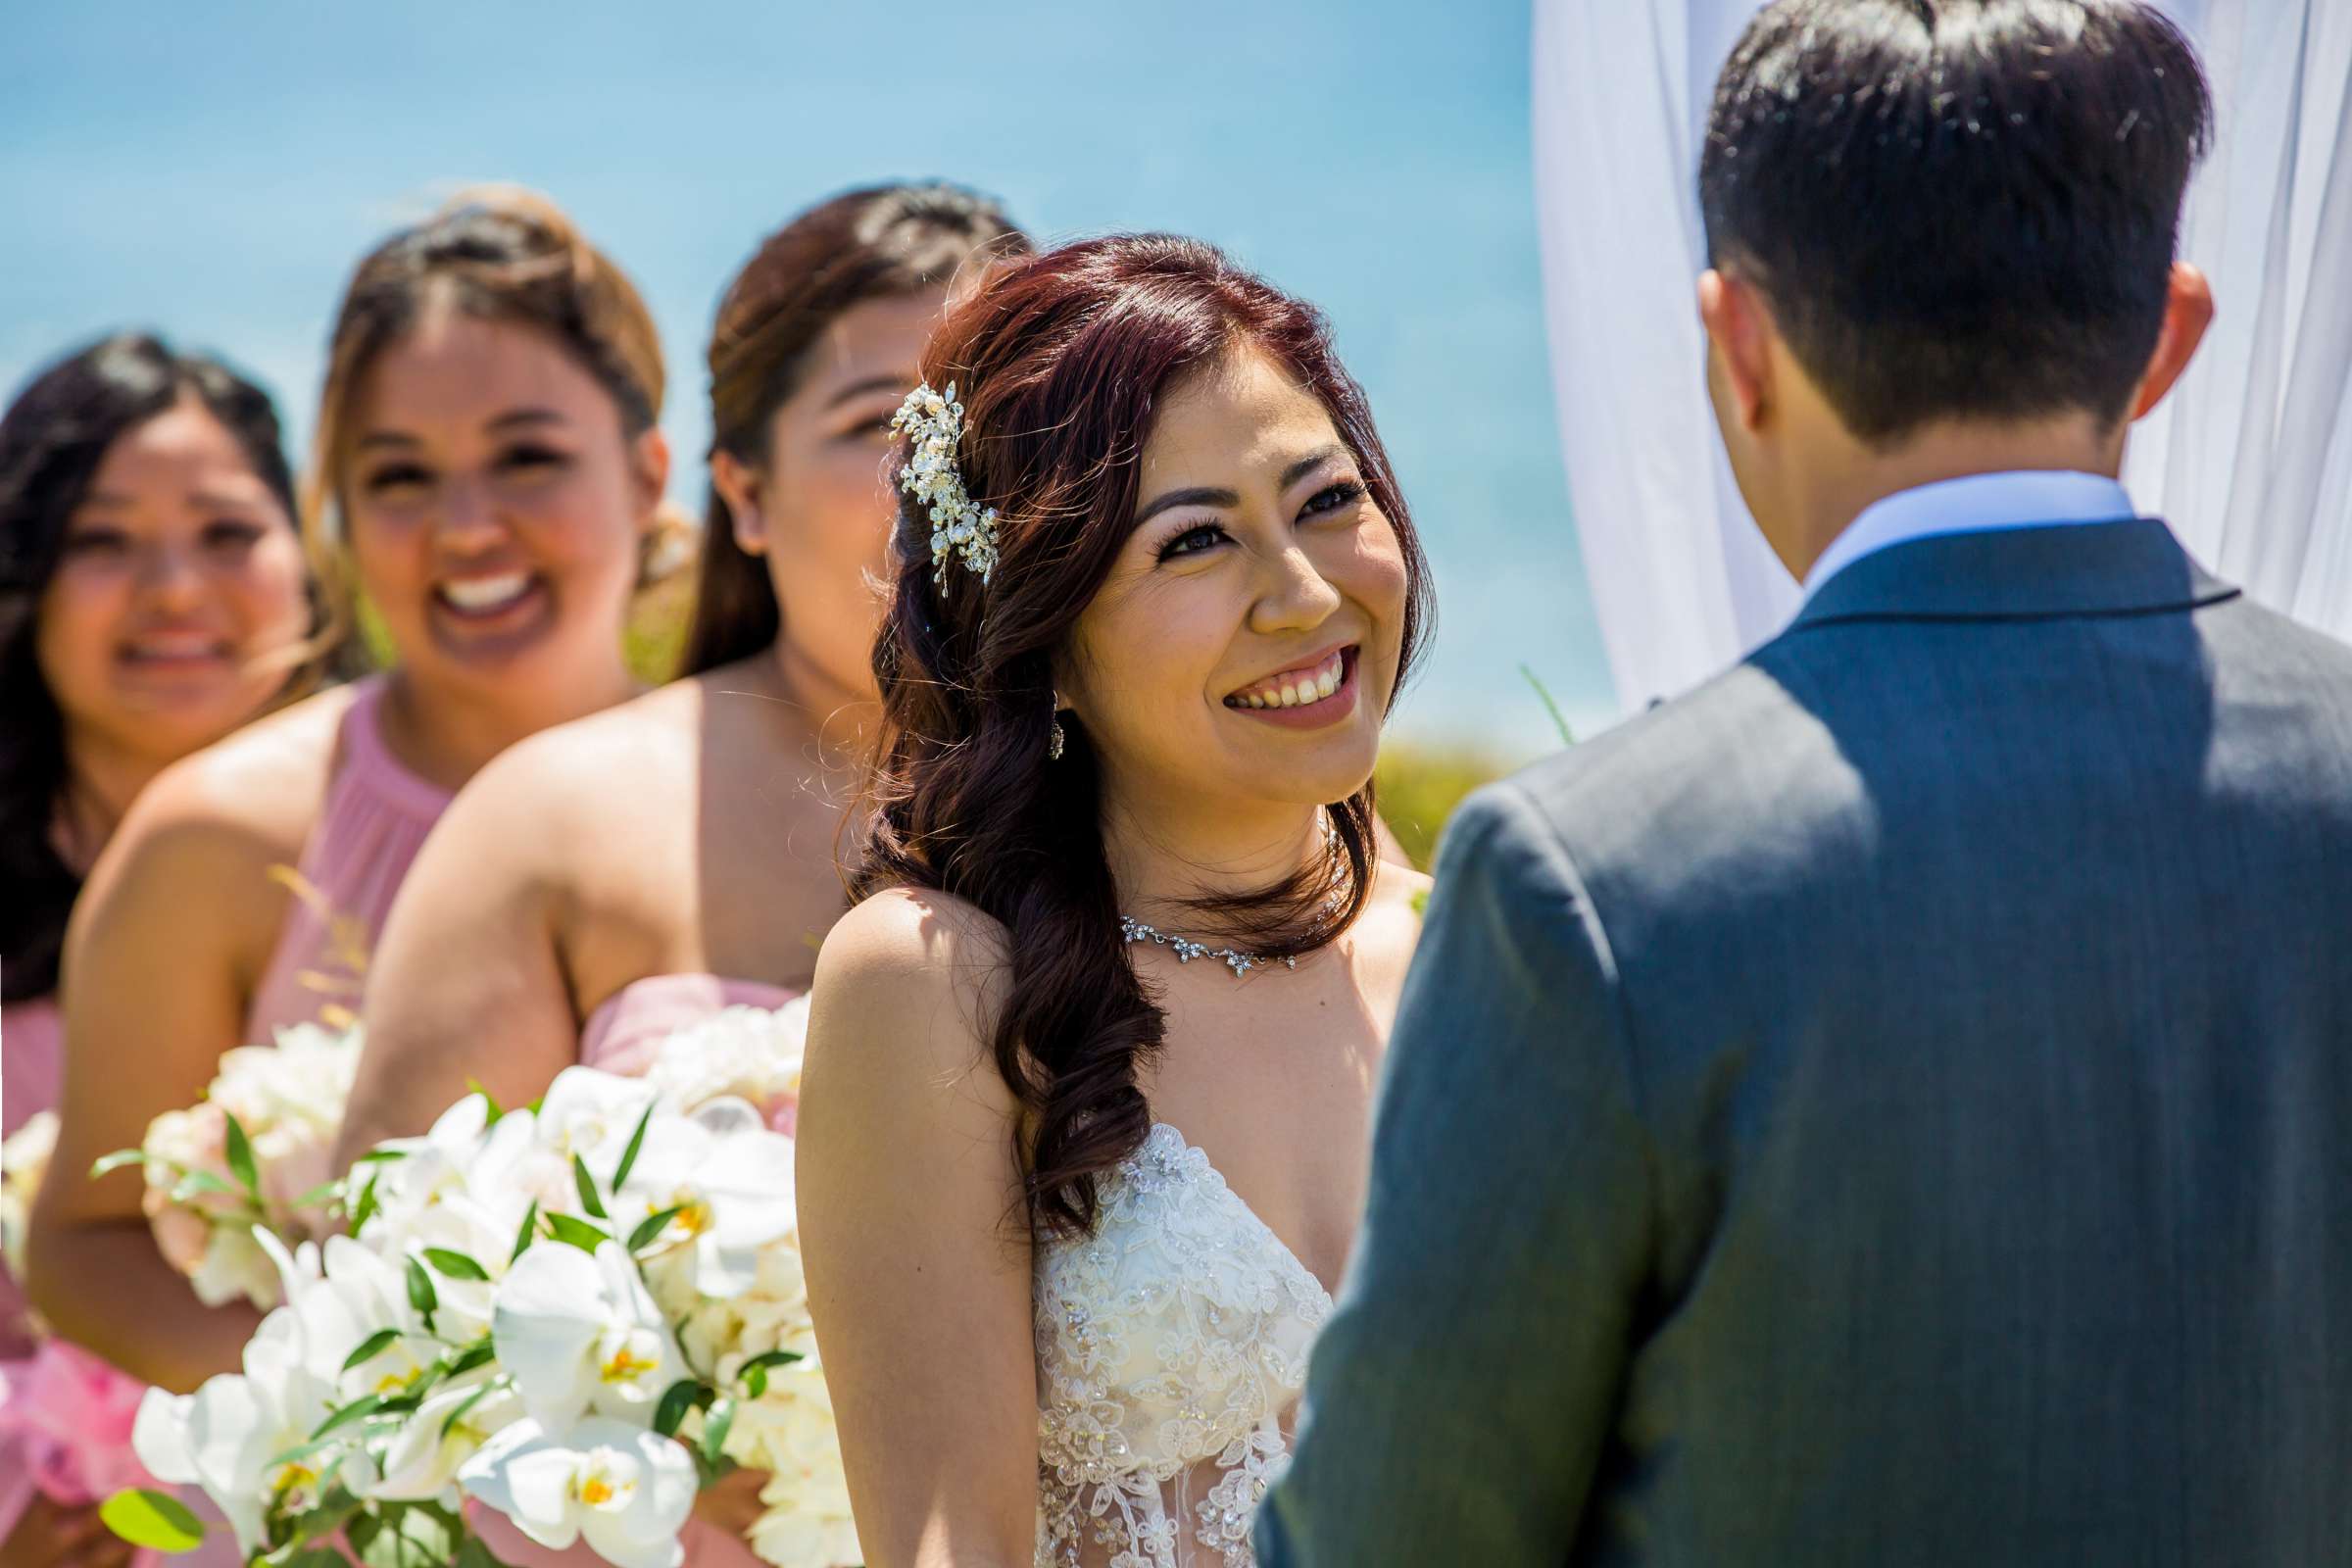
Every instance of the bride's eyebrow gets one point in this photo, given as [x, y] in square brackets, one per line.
[1209, 495]
[1195, 496]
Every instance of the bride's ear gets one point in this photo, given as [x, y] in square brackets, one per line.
[738, 485]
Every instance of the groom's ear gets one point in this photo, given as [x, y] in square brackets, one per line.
[2187, 313]
[1740, 335]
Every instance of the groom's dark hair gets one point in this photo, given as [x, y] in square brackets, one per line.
[1957, 208]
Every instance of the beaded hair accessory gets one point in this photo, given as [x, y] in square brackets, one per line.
[934, 422]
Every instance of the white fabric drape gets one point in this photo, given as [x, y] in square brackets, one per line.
[2250, 458]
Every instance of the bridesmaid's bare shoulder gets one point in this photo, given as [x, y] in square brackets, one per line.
[255, 793]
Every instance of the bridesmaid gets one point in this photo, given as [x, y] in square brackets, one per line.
[152, 599]
[713, 805]
[488, 474]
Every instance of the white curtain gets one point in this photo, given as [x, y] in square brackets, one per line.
[2250, 459]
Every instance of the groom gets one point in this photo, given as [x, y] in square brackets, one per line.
[1893, 1105]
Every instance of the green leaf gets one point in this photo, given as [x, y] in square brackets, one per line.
[522, 1237]
[578, 1231]
[754, 1373]
[676, 1400]
[365, 1209]
[240, 1159]
[649, 1229]
[373, 1345]
[310, 1557]
[457, 1265]
[1559, 720]
[412, 1536]
[628, 1156]
[474, 1086]
[152, 1519]
[587, 1186]
[381, 1157]
[196, 1183]
[477, 1355]
[116, 1160]
[472, 1554]
[449, 1423]
[715, 1427]
[366, 1405]
[319, 1195]
[421, 1294]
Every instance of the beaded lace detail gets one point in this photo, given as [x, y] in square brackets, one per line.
[1171, 1352]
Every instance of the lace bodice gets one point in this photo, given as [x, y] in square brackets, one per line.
[1171, 1351]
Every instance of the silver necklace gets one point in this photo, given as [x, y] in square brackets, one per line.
[1240, 963]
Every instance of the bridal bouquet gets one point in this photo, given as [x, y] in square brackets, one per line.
[576, 1316]
[248, 1159]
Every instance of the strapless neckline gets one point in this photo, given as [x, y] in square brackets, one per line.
[1186, 1148]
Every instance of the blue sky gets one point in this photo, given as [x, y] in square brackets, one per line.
[214, 172]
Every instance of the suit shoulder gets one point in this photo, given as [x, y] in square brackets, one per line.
[1674, 746]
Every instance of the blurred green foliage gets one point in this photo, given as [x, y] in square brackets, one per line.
[1418, 786]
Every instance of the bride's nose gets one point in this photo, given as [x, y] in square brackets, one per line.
[1294, 595]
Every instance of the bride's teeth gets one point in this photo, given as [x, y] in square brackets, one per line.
[1289, 697]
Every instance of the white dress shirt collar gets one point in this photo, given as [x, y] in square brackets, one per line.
[1977, 504]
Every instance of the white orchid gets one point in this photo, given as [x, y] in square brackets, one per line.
[581, 1333]
[626, 1491]
[592, 1116]
[231, 1436]
[730, 1181]
[422, 1462]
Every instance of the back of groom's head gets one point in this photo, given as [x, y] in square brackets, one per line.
[1957, 208]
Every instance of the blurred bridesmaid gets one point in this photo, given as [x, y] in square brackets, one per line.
[488, 475]
[152, 598]
[621, 877]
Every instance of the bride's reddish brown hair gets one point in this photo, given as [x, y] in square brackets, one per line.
[1060, 361]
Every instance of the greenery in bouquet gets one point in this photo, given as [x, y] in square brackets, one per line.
[248, 1160]
[576, 1315]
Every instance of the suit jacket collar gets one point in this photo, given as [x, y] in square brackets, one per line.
[2134, 567]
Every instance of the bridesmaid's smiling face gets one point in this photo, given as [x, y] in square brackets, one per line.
[1245, 644]
[179, 591]
[497, 508]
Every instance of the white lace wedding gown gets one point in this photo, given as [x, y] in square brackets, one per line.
[1171, 1352]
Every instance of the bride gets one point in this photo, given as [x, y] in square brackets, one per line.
[1083, 1126]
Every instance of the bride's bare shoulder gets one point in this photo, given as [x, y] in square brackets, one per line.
[910, 970]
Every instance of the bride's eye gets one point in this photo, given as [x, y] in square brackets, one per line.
[1334, 497]
[1193, 541]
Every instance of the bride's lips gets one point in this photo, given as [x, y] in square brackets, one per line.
[1311, 696]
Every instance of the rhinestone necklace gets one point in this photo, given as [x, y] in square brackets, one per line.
[1240, 963]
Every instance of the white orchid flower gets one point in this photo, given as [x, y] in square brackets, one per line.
[422, 1462]
[624, 1490]
[227, 1436]
[593, 1115]
[465, 1184]
[729, 1178]
[581, 1333]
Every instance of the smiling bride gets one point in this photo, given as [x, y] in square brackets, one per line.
[1083, 1126]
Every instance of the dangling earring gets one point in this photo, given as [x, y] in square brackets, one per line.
[1056, 741]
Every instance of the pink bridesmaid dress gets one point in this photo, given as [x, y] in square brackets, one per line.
[623, 1036]
[375, 819]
